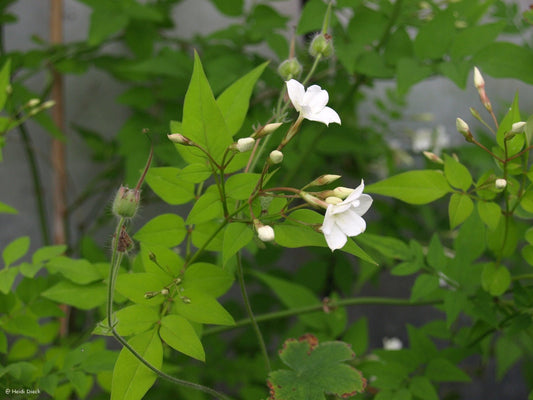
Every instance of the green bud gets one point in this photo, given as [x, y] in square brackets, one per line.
[126, 202]
[290, 69]
[322, 44]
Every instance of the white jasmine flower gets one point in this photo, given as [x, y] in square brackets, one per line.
[392, 343]
[311, 103]
[345, 219]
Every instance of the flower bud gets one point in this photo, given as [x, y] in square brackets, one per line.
[433, 157]
[322, 44]
[48, 104]
[500, 183]
[479, 82]
[164, 291]
[314, 201]
[324, 180]
[245, 144]
[265, 233]
[179, 139]
[518, 127]
[266, 130]
[463, 129]
[290, 69]
[342, 192]
[333, 200]
[126, 202]
[32, 103]
[392, 343]
[276, 157]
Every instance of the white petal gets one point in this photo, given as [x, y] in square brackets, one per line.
[326, 116]
[365, 201]
[316, 99]
[350, 223]
[329, 222]
[335, 239]
[356, 193]
[296, 93]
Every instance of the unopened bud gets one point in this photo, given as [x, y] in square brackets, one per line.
[290, 69]
[164, 292]
[179, 139]
[276, 157]
[314, 201]
[333, 200]
[265, 233]
[32, 103]
[150, 295]
[245, 144]
[500, 183]
[342, 192]
[479, 82]
[463, 129]
[324, 180]
[322, 44]
[126, 202]
[518, 127]
[48, 104]
[433, 157]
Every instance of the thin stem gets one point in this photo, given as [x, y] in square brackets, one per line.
[36, 183]
[251, 317]
[355, 301]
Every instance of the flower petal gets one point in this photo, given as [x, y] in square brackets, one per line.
[350, 223]
[296, 93]
[329, 222]
[335, 239]
[315, 98]
[326, 116]
[356, 193]
[365, 201]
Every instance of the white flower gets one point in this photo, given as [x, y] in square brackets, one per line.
[265, 233]
[345, 219]
[311, 103]
[392, 343]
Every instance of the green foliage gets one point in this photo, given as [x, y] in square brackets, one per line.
[317, 369]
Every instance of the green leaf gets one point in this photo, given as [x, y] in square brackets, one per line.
[316, 369]
[168, 184]
[442, 370]
[459, 209]
[5, 74]
[413, 187]
[48, 252]
[388, 246]
[106, 21]
[456, 173]
[7, 277]
[410, 71]
[424, 286]
[454, 303]
[495, 279]
[22, 371]
[136, 319]
[4, 208]
[398, 46]
[435, 37]
[135, 285]
[206, 208]
[422, 388]
[131, 378]
[527, 201]
[234, 101]
[473, 38]
[506, 60]
[164, 230]
[167, 262]
[490, 213]
[232, 8]
[179, 334]
[507, 354]
[515, 144]
[77, 271]
[312, 17]
[294, 295]
[435, 254]
[236, 236]
[84, 297]
[357, 336]
[203, 122]
[240, 186]
[200, 307]
[194, 173]
[208, 278]
[15, 250]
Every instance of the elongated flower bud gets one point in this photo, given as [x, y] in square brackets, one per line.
[518, 127]
[179, 139]
[464, 129]
[245, 144]
[479, 82]
[324, 180]
[342, 192]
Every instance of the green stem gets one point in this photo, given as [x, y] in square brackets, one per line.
[116, 259]
[355, 301]
[36, 182]
[251, 317]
